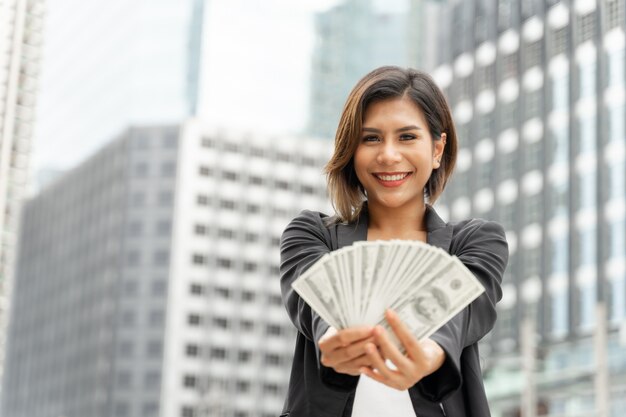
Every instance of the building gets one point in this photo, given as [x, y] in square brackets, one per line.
[538, 92]
[20, 50]
[132, 64]
[352, 39]
[147, 278]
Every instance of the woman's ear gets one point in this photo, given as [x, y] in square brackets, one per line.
[439, 147]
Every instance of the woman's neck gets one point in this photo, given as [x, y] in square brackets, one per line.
[399, 223]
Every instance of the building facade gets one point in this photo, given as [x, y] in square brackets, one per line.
[537, 90]
[21, 24]
[147, 279]
[133, 64]
[352, 39]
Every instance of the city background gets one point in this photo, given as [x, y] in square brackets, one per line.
[151, 153]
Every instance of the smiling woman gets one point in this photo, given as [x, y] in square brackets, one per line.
[395, 149]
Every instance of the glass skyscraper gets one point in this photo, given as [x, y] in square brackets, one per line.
[537, 90]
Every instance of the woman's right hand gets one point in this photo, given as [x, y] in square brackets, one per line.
[344, 350]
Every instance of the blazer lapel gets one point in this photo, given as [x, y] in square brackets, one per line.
[439, 232]
[347, 234]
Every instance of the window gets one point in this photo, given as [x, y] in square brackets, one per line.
[281, 184]
[220, 322]
[255, 180]
[198, 259]
[163, 227]
[152, 379]
[247, 296]
[230, 175]
[244, 356]
[128, 318]
[227, 204]
[150, 409]
[138, 199]
[161, 257]
[191, 350]
[242, 386]
[126, 348]
[168, 169]
[202, 200]
[141, 169]
[130, 288]
[274, 299]
[196, 289]
[159, 287]
[246, 325]
[156, 318]
[165, 198]
[124, 379]
[272, 359]
[249, 266]
[226, 233]
[189, 381]
[273, 330]
[205, 171]
[224, 263]
[187, 411]
[154, 348]
[218, 353]
[200, 229]
[253, 208]
[222, 292]
[251, 237]
[193, 319]
[135, 228]
[133, 258]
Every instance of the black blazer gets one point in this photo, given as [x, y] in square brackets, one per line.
[456, 389]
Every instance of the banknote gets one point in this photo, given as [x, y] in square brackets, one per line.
[354, 286]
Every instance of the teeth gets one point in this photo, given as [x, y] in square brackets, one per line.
[396, 177]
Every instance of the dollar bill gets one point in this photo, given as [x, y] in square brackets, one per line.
[354, 286]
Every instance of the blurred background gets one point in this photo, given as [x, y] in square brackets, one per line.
[151, 153]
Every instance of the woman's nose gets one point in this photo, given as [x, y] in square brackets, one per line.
[388, 154]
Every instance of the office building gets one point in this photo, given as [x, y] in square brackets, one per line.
[538, 92]
[107, 66]
[352, 39]
[20, 50]
[147, 279]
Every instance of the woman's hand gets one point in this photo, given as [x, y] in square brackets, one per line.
[344, 350]
[422, 358]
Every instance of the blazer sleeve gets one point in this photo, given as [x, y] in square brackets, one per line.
[483, 249]
[305, 240]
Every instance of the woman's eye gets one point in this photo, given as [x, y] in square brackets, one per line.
[370, 138]
[407, 137]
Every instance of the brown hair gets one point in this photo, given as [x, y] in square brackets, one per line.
[346, 192]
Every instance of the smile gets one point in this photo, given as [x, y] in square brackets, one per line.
[392, 177]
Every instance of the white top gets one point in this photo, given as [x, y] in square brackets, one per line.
[373, 399]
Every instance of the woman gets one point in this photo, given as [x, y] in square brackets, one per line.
[395, 149]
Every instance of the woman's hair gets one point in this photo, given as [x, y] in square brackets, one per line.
[346, 192]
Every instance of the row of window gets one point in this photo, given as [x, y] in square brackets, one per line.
[167, 169]
[248, 150]
[271, 329]
[204, 200]
[205, 171]
[228, 293]
[152, 348]
[230, 234]
[228, 263]
[241, 386]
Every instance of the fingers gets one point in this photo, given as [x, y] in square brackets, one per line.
[343, 337]
[410, 343]
[389, 349]
[344, 354]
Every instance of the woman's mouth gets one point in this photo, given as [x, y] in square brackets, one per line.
[392, 179]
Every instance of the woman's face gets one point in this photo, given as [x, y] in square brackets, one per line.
[396, 153]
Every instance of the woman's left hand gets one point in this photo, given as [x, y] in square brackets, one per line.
[422, 358]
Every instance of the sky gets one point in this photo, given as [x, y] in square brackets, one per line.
[255, 71]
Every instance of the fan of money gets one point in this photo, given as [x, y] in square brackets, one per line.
[354, 285]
